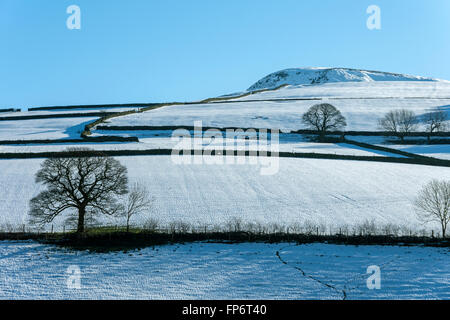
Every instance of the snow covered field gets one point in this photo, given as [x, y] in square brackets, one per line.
[65, 111]
[163, 140]
[334, 193]
[439, 151]
[56, 128]
[166, 143]
[29, 270]
[363, 104]
[436, 151]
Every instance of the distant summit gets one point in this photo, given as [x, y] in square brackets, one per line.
[309, 76]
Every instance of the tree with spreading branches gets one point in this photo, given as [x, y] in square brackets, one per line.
[79, 184]
[433, 203]
[435, 122]
[324, 117]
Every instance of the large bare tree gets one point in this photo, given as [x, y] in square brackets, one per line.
[137, 201]
[399, 122]
[433, 203]
[435, 122]
[324, 117]
[78, 185]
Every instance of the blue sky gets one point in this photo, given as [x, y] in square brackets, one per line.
[182, 50]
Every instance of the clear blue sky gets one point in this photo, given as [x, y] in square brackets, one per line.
[147, 50]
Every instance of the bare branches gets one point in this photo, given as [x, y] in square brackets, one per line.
[433, 203]
[435, 121]
[324, 117]
[47, 205]
[137, 201]
[399, 122]
[86, 184]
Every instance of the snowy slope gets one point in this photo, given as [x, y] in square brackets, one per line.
[361, 114]
[330, 192]
[55, 128]
[307, 76]
[362, 103]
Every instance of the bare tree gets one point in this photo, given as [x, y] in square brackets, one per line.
[435, 122]
[324, 117]
[136, 202]
[399, 122]
[78, 185]
[433, 203]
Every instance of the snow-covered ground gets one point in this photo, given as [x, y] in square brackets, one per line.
[56, 128]
[333, 193]
[167, 143]
[26, 113]
[30, 270]
[363, 104]
[440, 151]
[437, 151]
[163, 140]
[361, 115]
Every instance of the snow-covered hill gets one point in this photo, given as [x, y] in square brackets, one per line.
[307, 76]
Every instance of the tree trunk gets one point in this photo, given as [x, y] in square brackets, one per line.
[81, 214]
[128, 224]
[322, 136]
[444, 229]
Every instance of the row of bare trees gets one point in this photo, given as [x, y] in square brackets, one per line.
[326, 117]
[402, 122]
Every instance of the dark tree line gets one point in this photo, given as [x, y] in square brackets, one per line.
[402, 122]
[326, 117]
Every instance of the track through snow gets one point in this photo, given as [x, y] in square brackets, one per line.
[252, 271]
[344, 294]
